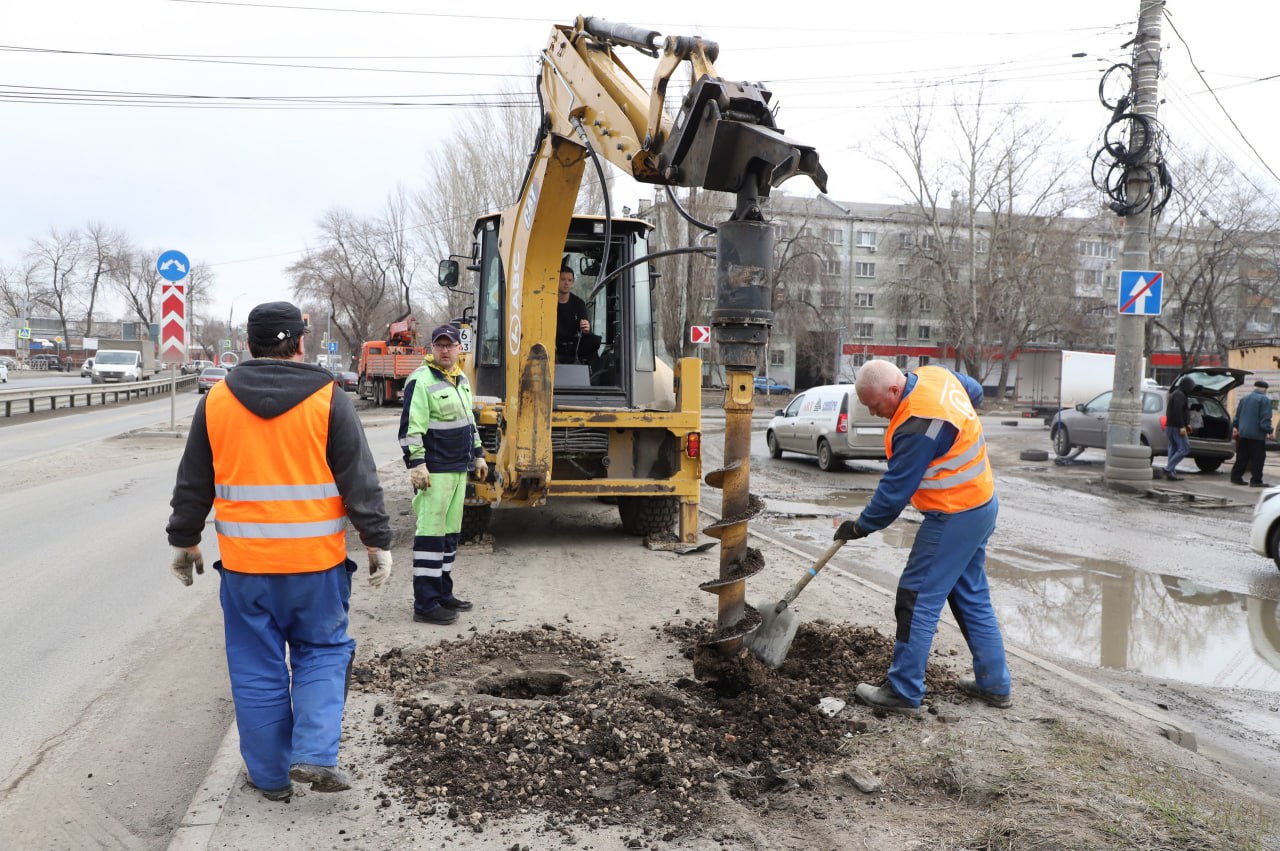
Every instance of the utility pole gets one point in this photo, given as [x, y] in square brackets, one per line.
[1125, 415]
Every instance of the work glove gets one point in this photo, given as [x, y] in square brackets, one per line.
[419, 478]
[1182, 431]
[482, 469]
[183, 559]
[849, 530]
[379, 565]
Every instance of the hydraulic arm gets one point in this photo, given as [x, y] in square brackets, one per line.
[722, 138]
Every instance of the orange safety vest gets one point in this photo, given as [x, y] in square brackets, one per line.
[277, 505]
[962, 478]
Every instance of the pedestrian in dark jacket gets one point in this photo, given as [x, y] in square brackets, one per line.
[283, 460]
[1251, 427]
[1177, 419]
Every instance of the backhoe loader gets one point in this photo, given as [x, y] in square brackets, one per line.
[605, 417]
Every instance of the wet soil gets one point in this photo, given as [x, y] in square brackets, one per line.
[559, 725]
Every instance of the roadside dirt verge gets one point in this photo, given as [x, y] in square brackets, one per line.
[562, 711]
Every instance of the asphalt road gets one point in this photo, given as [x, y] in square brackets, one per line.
[114, 679]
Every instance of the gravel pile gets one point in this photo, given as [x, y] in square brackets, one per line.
[548, 722]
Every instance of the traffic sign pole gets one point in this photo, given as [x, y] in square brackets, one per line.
[173, 266]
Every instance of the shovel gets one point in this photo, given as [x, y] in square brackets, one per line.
[772, 639]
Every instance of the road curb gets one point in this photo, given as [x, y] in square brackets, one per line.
[206, 808]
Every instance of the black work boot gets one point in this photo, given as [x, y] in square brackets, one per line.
[323, 778]
[440, 616]
[969, 686]
[884, 699]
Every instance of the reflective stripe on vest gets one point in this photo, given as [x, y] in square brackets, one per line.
[961, 479]
[277, 505]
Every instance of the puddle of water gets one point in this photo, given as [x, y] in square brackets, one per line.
[1106, 614]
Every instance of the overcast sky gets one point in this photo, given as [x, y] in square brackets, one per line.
[226, 129]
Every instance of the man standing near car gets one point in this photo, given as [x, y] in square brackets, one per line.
[1251, 428]
[937, 461]
[1177, 419]
[441, 444]
[283, 460]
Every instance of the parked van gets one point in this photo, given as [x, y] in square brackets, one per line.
[830, 423]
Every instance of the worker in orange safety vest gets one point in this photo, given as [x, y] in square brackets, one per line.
[281, 456]
[937, 461]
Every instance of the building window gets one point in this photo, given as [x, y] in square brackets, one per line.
[1094, 248]
[857, 360]
[864, 299]
[835, 236]
[956, 243]
[906, 240]
[779, 232]
[983, 245]
[777, 357]
[863, 330]
[1110, 281]
[864, 270]
[866, 239]
[831, 266]
[926, 241]
[900, 331]
[924, 360]
[923, 332]
[830, 298]
[901, 361]
[922, 301]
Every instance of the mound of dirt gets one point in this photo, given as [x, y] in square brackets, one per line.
[549, 722]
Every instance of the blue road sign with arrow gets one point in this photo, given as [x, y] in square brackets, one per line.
[1140, 293]
[173, 265]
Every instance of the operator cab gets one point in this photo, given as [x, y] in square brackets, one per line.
[611, 366]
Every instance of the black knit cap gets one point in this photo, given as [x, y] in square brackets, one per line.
[275, 321]
[1261, 384]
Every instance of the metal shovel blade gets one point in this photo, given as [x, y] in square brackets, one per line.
[772, 639]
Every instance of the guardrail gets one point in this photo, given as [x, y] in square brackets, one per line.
[83, 394]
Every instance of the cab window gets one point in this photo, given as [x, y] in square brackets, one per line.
[1152, 403]
[794, 408]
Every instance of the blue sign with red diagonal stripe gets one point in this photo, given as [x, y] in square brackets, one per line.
[1141, 293]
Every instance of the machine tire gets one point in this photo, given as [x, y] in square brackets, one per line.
[648, 515]
[379, 392]
[827, 460]
[1061, 441]
[1208, 465]
[774, 450]
[1034, 455]
[1128, 450]
[475, 522]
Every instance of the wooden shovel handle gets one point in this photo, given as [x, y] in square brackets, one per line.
[809, 574]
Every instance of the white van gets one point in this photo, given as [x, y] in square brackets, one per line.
[828, 422]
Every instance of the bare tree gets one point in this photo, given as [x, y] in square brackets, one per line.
[104, 249]
[137, 281]
[686, 285]
[55, 261]
[990, 199]
[348, 278]
[478, 170]
[1217, 237]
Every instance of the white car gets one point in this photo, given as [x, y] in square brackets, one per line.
[1265, 535]
[4, 373]
[827, 422]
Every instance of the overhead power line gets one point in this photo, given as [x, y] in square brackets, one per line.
[1216, 99]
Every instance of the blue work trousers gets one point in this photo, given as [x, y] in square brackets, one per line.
[282, 722]
[947, 565]
[1179, 448]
